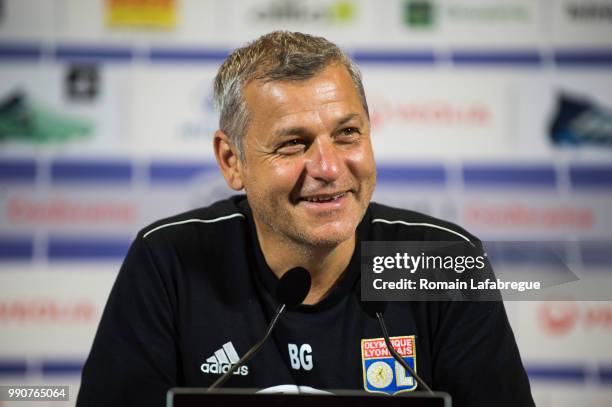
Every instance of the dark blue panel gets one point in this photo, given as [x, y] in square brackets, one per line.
[596, 253]
[16, 248]
[412, 174]
[394, 57]
[12, 367]
[84, 52]
[17, 171]
[525, 57]
[187, 55]
[19, 52]
[62, 367]
[557, 373]
[91, 171]
[584, 57]
[591, 176]
[605, 374]
[503, 176]
[87, 248]
[165, 172]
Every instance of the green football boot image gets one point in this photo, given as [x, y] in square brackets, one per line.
[24, 120]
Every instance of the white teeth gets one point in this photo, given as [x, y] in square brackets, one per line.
[316, 199]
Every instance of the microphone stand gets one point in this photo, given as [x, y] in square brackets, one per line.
[221, 380]
[397, 357]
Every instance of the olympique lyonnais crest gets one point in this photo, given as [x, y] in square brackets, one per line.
[381, 373]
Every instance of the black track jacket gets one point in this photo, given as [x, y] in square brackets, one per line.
[194, 294]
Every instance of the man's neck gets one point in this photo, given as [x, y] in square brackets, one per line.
[325, 264]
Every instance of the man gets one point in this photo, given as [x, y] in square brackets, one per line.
[196, 291]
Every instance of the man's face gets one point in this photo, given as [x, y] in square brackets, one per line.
[308, 168]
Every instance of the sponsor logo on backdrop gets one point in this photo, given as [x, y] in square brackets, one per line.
[210, 187]
[563, 318]
[24, 119]
[590, 12]
[487, 12]
[47, 310]
[558, 318]
[579, 121]
[297, 11]
[148, 14]
[428, 113]
[205, 124]
[60, 210]
[521, 215]
[419, 13]
[82, 83]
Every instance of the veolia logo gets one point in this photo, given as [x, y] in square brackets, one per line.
[563, 318]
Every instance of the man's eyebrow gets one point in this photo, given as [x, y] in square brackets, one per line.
[291, 131]
[345, 119]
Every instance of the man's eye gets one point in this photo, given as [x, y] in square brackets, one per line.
[291, 147]
[349, 132]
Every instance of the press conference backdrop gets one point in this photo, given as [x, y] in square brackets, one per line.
[496, 115]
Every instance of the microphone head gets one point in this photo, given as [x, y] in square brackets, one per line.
[293, 287]
[370, 307]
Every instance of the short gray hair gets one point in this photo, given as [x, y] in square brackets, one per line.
[277, 56]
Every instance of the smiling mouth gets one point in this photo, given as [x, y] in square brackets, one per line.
[324, 198]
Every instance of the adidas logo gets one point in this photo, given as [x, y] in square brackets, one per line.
[222, 361]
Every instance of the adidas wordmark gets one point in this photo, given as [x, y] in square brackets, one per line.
[222, 360]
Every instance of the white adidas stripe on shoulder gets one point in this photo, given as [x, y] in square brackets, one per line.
[182, 222]
[431, 225]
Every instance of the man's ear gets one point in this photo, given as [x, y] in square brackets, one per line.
[228, 160]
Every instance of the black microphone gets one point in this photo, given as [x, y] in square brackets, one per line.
[291, 291]
[376, 309]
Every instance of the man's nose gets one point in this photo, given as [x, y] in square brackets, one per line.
[324, 161]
